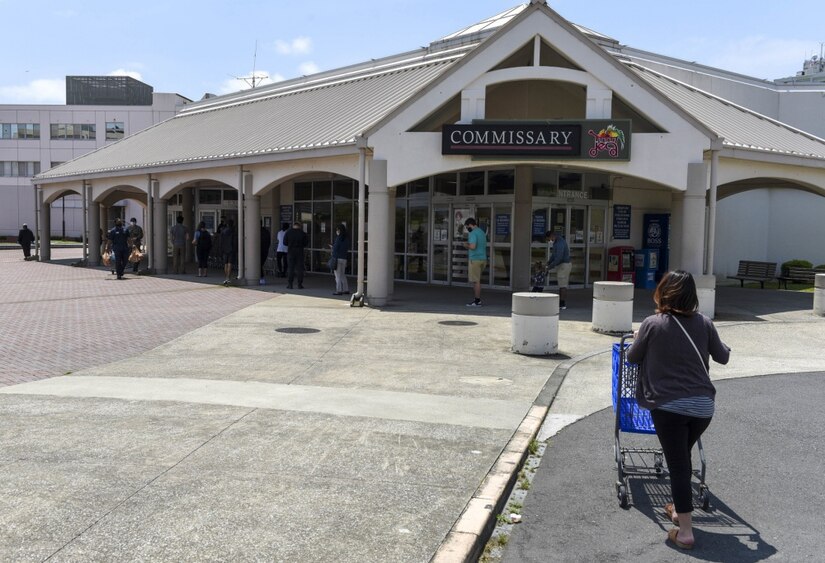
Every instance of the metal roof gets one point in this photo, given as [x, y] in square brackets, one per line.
[737, 125]
[332, 108]
[304, 114]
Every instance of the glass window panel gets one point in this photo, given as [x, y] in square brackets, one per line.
[401, 191]
[322, 191]
[70, 131]
[445, 185]
[539, 224]
[6, 129]
[418, 229]
[577, 226]
[36, 169]
[35, 130]
[501, 266]
[441, 255]
[209, 197]
[420, 189]
[502, 225]
[501, 182]
[471, 183]
[303, 191]
[15, 168]
[342, 189]
[114, 130]
[545, 182]
[398, 266]
[400, 224]
[417, 268]
[597, 224]
[322, 230]
[15, 131]
[61, 130]
[570, 181]
[230, 195]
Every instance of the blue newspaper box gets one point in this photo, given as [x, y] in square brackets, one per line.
[647, 264]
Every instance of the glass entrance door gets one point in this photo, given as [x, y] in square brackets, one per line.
[450, 261]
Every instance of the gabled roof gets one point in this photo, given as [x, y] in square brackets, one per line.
[738, 126]
[331, 109]
[301, 114]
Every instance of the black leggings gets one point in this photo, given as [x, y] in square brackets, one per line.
[678, 433]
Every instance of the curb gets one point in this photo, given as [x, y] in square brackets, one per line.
[467, 538]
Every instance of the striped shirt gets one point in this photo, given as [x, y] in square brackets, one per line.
[699, 407]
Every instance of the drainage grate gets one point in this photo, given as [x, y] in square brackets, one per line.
[297, 330]
[457, 323]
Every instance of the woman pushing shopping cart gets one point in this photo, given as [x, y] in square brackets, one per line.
[665, 371]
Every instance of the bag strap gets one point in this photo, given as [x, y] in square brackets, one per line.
[701, 360]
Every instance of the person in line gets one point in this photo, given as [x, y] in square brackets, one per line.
[229, 249]
[672, 348]
[340, 253]
[135, 240]
[296, 240]
[180, 236]
[25, 238]
[203, 246]
[280, 251]
[266, 242]
[560, 262]
[119, 244]
[477, 245]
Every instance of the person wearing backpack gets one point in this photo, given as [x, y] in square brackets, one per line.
[203, 246]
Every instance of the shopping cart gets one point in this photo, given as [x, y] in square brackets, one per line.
[632, 418]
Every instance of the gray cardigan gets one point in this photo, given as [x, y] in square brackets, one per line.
[669, 367]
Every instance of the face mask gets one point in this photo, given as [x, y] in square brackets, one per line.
[469, 229]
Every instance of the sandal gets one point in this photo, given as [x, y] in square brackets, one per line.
[671, 536]
[670, 512]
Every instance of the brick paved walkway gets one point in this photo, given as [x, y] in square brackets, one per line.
[56, 319]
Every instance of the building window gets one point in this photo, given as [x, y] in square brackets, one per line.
[114, 130]
[73, 131]
[19, 168]
[19, 130]
[55, 163]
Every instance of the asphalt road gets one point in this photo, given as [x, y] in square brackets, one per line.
[765, 469]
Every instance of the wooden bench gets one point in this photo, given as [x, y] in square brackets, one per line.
[800, 275]
[752, 270]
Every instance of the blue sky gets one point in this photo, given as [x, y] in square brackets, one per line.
[193, 47]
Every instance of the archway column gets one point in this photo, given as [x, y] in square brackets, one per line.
[522, 215]
[379, 276]
[693, 225]
[159, 242]
[252, 230]
[188, 213]
[93, 213]
[45, 228]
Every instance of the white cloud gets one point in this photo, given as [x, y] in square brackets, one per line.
[262, 78]
[298, 46]
[123, 72]
[308, 67]
[40, 91]
[762, 57]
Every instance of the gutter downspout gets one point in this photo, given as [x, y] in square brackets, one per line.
[716, 146]
[361, 143]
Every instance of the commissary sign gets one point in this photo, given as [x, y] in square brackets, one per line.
[587, 139]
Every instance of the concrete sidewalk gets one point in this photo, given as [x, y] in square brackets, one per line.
[362, 436]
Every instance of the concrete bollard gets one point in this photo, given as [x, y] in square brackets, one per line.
[612, 307]
[706, 291]
[819, 295]
[535, 320]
